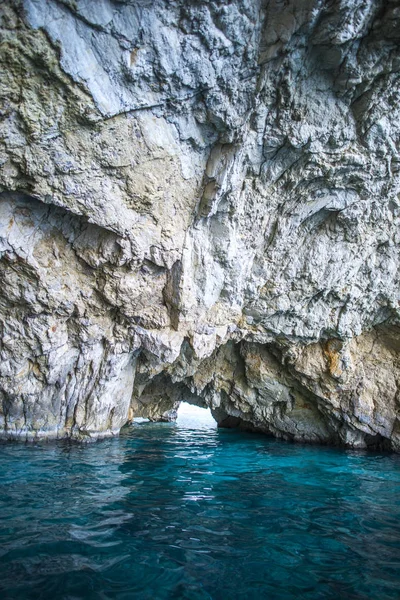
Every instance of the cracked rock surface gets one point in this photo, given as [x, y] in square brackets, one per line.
[200, 201]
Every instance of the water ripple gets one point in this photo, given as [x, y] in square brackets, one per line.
[172, 512]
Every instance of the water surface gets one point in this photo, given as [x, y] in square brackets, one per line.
[167, 511]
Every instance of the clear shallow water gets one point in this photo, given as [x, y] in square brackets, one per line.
[171, 512]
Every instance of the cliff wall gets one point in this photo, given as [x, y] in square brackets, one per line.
[200, 200]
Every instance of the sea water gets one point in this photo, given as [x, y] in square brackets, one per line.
[187, 511]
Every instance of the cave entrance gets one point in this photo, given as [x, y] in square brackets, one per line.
[194, 417]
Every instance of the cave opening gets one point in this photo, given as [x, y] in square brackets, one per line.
[194, 417]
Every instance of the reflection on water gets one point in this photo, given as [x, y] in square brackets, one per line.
[169, 511]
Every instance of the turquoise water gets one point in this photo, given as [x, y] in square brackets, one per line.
[171, 512]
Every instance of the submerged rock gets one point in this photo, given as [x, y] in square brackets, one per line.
[200, 201]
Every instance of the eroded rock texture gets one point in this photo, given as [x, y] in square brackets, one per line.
[200, 201]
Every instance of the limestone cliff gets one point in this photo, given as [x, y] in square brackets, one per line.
[200, 200]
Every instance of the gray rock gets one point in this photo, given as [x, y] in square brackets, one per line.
[200, 201]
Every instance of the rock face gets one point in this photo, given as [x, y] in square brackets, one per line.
[200, 200]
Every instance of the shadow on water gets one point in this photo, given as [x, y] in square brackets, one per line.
[174, 511]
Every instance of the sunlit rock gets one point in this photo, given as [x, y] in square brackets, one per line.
[200, 201]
